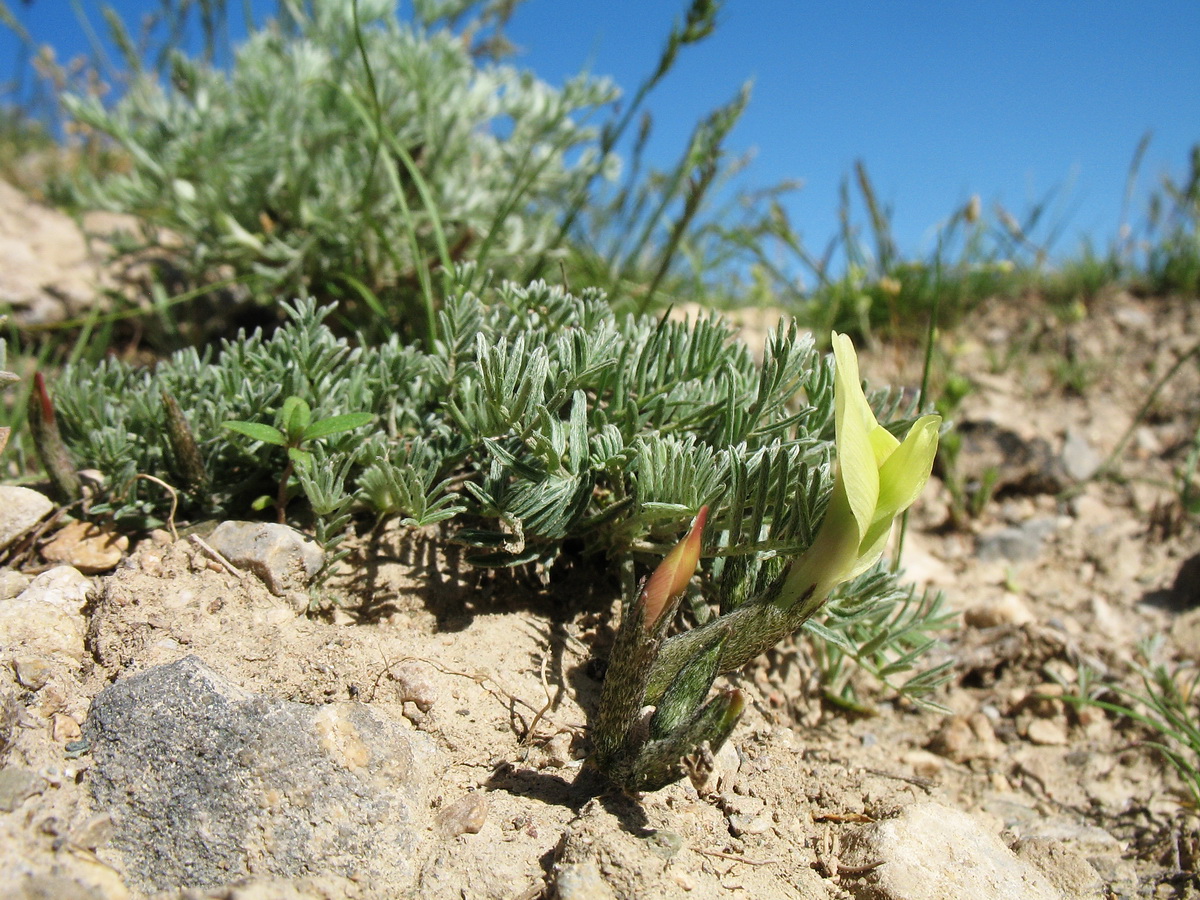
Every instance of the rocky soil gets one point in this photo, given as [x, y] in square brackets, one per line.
[179, 726]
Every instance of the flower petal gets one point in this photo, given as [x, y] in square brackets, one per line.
[853, 423]
[833, 554]
[902, 477]
[884, 443]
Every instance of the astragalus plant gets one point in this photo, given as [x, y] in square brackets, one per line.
[538, 420]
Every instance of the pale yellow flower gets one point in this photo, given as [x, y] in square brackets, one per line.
[878, 478]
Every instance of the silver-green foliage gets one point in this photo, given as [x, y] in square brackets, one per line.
[535, 417]
[346, 154]
[540, 414]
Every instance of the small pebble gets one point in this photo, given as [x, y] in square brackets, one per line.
[1019, 543]
[1047, 732]
[685, 881]
[150, 563]
[161, 538]
[1008, 609]
[725, 765]
[89, 548]
[95, 832]
[746, 815]
[64, 729]
[740, 804]
[17, 785]
[923, 763]
[32, 672]
[1079, 458]
[955, 740]
[12, 583]
[582, 881]
[558, 751]
[664, 842]
[341, 618]
[1043, 700]
[760, 824]
[282, 557]
[46, 620]
[1065, 866]
[62, 586]
[414, 684]
[465, 815]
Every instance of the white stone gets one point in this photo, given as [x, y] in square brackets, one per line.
[582, 881]
[62, 586]
[1079, 458]
[277, 554]
[934, 852]
[12, 583]
[47, 618]
[20, 511]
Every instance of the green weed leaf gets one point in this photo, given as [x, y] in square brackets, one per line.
[259, 432]
[336, 424]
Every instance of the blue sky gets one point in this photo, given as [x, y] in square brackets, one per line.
[1008, 99]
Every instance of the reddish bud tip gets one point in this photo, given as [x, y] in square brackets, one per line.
[671, 578]
[39, 384]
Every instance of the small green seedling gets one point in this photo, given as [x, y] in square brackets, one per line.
[1167, 705]
[296, 429]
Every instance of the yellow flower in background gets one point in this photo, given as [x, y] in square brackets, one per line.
[878, 478]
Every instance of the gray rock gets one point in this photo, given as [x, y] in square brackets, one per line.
[17, 785]
[1016, 543]
[933, 852]
[1080, 459]
[23, 509]
[277, 554]
[206, 783]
